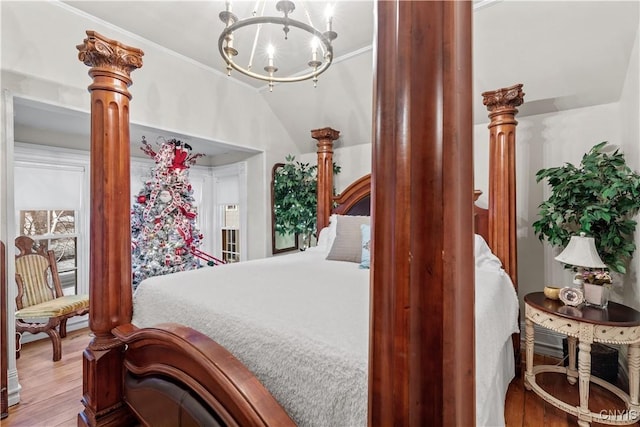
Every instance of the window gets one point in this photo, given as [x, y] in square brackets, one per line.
[231, 233]
[229, 219]
[55, 230]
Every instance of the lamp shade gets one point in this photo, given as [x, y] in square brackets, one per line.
[581, 252]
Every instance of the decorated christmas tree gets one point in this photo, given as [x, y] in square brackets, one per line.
[164, 234]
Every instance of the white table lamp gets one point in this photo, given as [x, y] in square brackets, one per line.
[581, 252]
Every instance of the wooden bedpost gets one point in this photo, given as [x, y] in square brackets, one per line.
[422, 365]
[110, 292]
[325, 138]
[502, 104]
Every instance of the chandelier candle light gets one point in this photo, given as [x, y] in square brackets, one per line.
[320, 43]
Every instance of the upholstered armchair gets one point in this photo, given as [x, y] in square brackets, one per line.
[41, 305]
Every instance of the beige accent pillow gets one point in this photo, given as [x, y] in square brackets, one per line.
[347, 245]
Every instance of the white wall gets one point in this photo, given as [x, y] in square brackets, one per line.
[630, 142]
[259, 204]
[355, 162]
[342, 100]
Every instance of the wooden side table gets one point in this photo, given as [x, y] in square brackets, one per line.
[617, 324]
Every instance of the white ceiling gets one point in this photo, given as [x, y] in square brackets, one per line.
[192, 28]
[568, 54]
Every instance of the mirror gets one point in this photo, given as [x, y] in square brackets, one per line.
[279, 242]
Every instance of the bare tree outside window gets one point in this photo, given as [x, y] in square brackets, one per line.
[55, 230]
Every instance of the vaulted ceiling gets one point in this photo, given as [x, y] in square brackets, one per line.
[568, 54]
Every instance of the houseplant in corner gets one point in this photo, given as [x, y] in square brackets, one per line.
[599, 197]
[295, 199]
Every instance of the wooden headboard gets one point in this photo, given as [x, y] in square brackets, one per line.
[356, 200]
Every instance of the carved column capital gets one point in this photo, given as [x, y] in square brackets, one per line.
[109, 56]
[99, 51]
[325, 134]
[506, 98]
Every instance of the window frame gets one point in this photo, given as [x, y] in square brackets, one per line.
[36, 156]
[230, 236]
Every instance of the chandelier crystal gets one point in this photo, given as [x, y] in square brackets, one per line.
[315, 60]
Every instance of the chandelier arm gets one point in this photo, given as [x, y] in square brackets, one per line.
[306, 12]
[255, 40]
[324, 40]
[253, 48]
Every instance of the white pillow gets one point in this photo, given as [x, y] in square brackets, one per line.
[347, 245]
[484, 257]
[328, 234]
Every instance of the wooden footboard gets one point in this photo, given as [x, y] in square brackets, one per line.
[179, 358]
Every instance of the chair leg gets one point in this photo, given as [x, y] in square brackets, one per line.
[18, 344]
[56, 342]
[63, 328]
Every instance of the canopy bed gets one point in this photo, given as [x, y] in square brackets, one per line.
[420, 370]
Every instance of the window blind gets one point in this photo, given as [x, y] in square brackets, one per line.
[228, 190]
[47, 187]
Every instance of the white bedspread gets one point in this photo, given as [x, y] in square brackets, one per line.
[300, 323]
[496, 319]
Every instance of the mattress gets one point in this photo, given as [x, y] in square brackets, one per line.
[300, 323]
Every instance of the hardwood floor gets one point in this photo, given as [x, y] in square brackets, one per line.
[525, 409]
[51, 392]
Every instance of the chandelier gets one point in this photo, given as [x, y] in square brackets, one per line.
[314, 59]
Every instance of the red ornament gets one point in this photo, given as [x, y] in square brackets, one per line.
[142, 199]
[179, 158]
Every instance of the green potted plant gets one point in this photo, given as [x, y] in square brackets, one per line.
[295, 199]
[599, 197]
